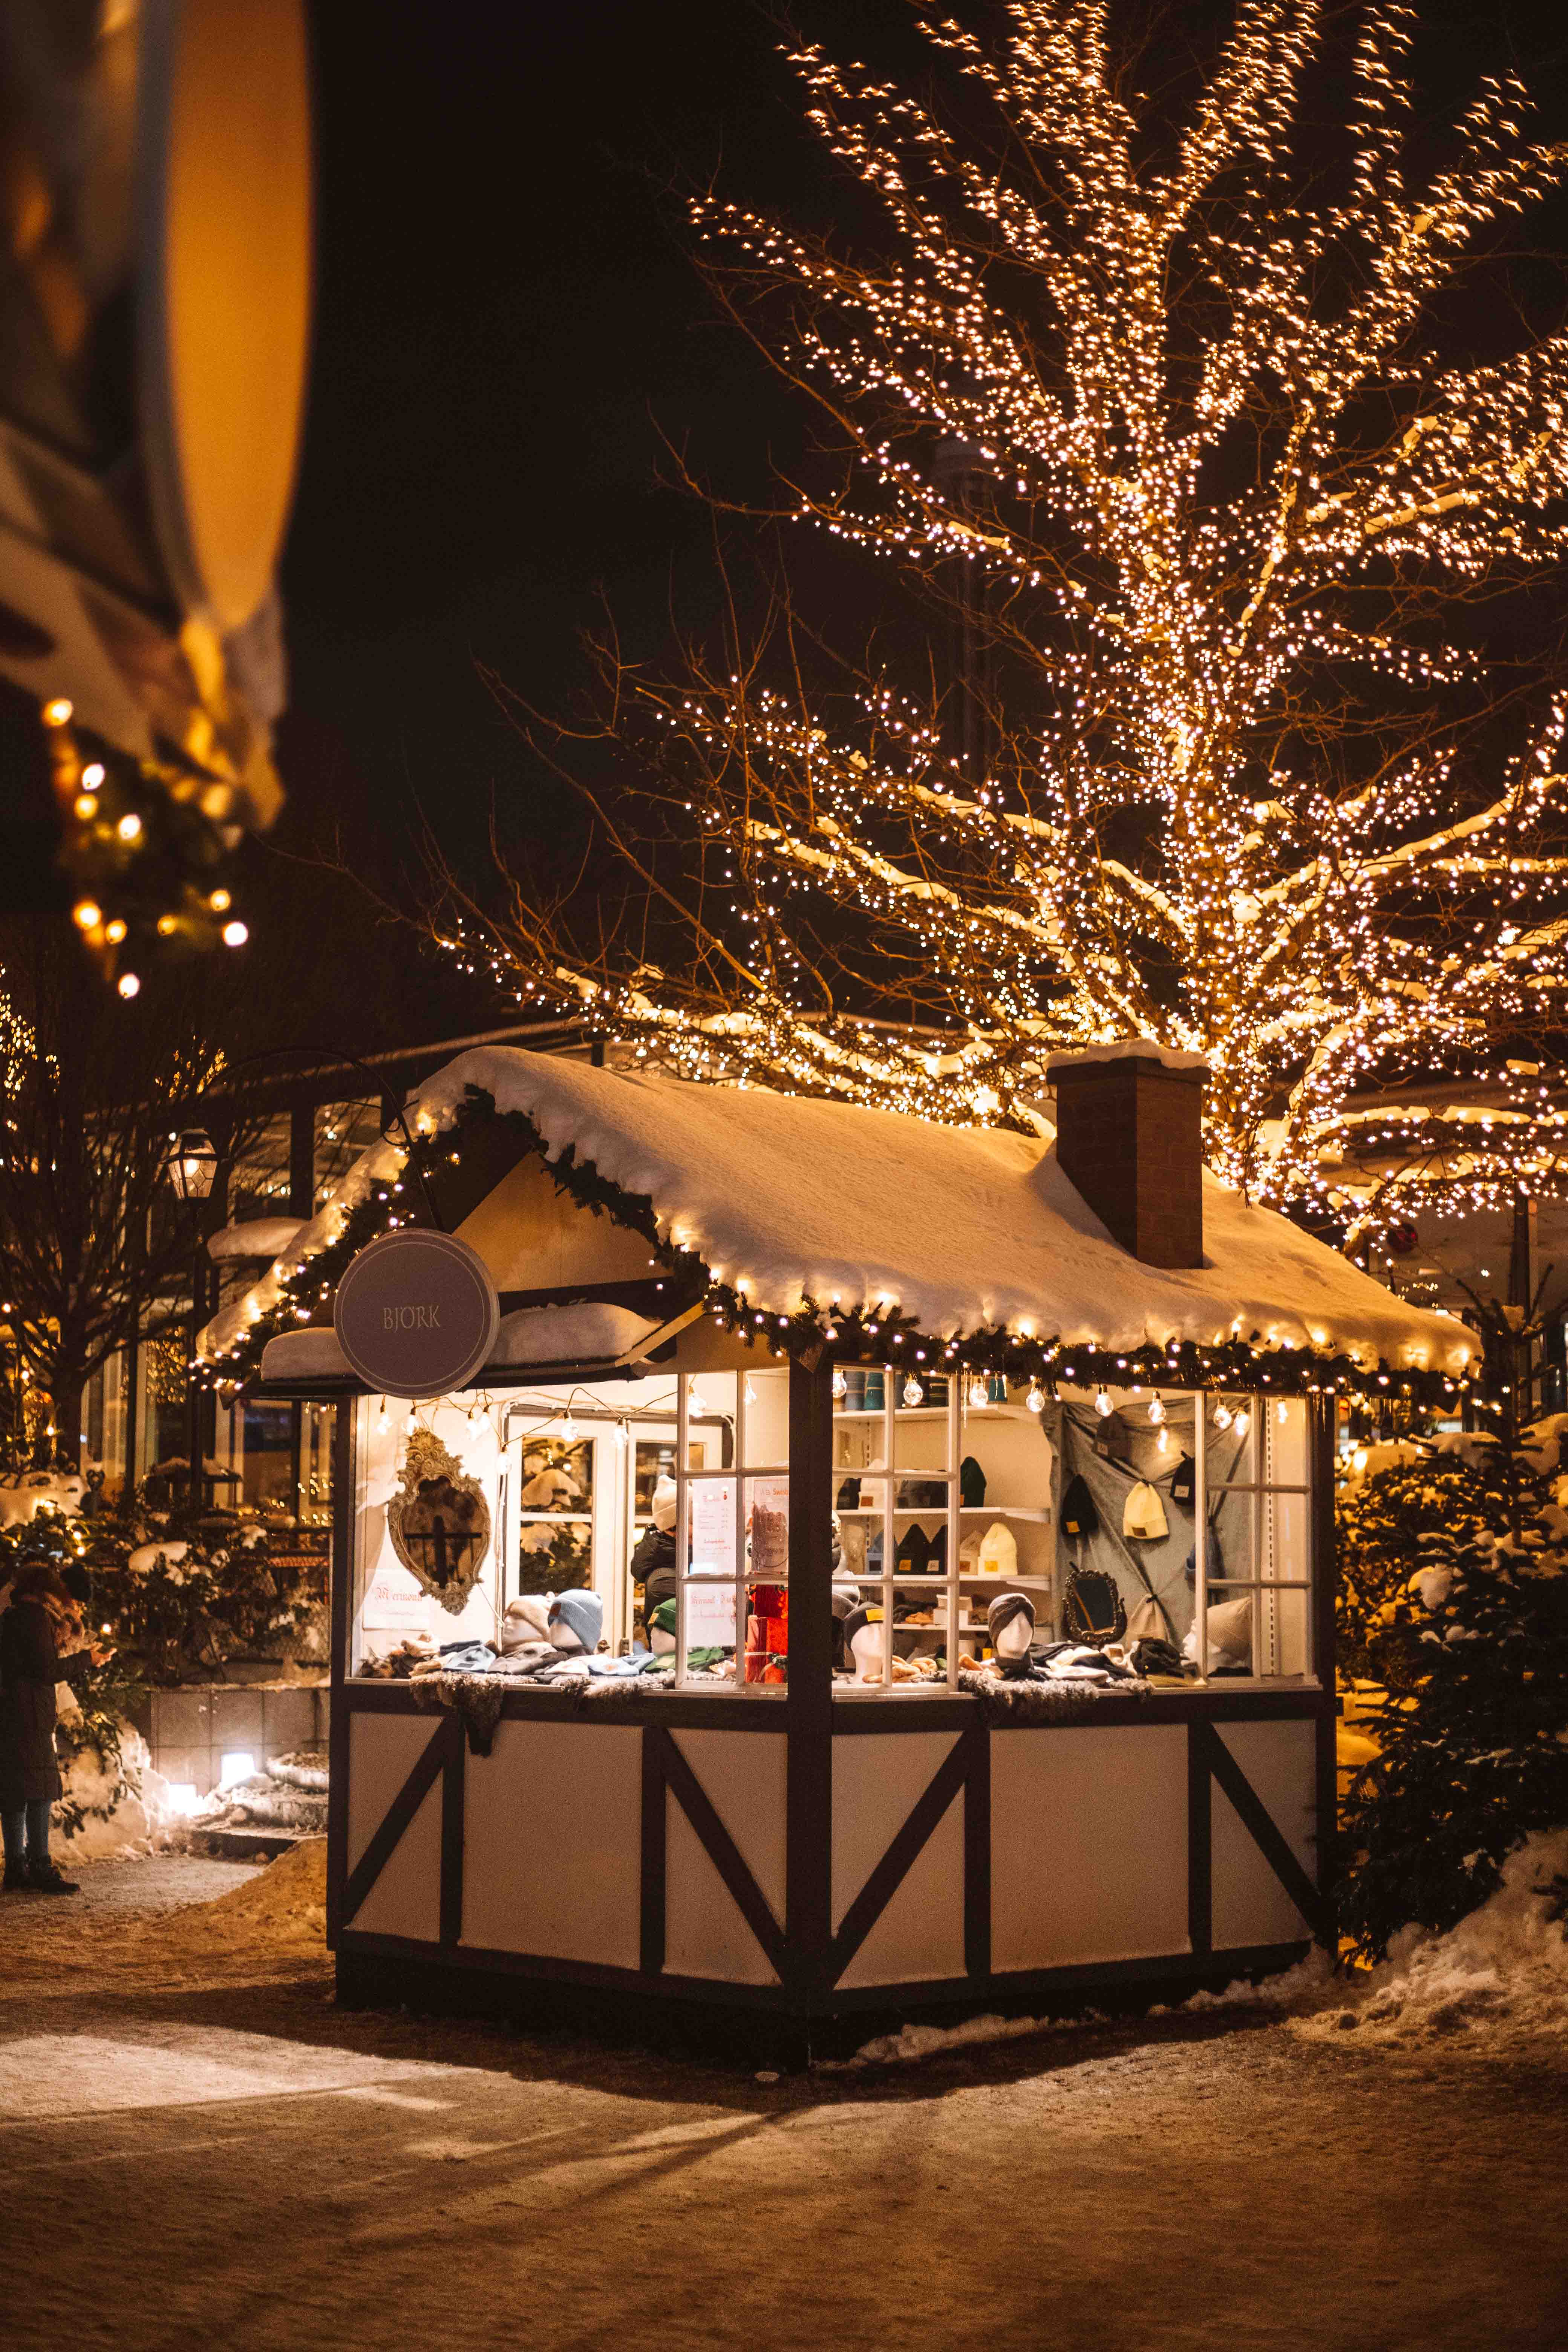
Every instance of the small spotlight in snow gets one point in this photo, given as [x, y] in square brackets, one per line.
[238, 1765]
[182, 1797]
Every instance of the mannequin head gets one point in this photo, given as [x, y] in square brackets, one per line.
[1011, 1621]
[863, 1632]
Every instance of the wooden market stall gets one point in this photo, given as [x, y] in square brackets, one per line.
[795, 1566]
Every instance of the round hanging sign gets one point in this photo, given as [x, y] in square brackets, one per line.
[417, 1314]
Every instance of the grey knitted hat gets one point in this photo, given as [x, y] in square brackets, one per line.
[1005, 1608]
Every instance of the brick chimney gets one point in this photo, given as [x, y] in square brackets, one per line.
[1130, 1138]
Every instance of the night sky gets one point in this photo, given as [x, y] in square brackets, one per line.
[506, 316]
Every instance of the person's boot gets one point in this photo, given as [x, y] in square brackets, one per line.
[18, 1876]
[44, 1879]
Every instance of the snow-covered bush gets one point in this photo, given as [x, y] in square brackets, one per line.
[1457, 1605]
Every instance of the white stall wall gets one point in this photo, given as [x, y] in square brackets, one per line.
[1088, 1845]
[552, 1843]
[388, 1602]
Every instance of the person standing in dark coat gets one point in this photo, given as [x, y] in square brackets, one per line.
[41, 1644]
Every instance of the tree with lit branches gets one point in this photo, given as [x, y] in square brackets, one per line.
[1169, 415]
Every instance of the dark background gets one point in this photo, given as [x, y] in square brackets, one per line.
[506, 317]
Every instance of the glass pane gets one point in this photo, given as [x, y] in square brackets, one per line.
[1286, 1526]
[710, 1404]
[1258, 1630]
[765, 1394]
[1284, 1441]
[767, 1588]
[919, 1419]
[1283, 1645]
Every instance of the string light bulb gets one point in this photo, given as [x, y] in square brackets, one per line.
[1102, 1404]
[978, 1392]
[1035, 1398]
[1156, 1408]
[1222, 1415]
[913, 1394]
[840, 1385]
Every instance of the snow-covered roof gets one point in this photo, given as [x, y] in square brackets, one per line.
[787, 1199]
[590, 1331]
[264, 1237]
[1126, 1049]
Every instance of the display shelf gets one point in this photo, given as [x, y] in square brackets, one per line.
[555, 1518]
[937, 1412]
[934, 1583]
[1020, 1511]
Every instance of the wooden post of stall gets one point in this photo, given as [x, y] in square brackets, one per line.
[1322, 1421]
[340, 1593]
[808, 1870]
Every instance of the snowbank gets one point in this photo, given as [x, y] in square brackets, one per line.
[284, 1904]
[1504, 1970]
[113, 1810]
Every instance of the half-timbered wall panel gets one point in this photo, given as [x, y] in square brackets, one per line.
[1250, 1905]
[551, 1842]
[920, 1935]
[877, 1781]
[1088, 1845]
[705, 1934]
[404, 1898]
[743, 1776]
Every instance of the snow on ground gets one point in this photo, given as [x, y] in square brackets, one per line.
[199, 2147]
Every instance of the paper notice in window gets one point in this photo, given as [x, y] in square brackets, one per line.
[713, 1528]
[393, 1603]
[710, 1616]
[769, 1501]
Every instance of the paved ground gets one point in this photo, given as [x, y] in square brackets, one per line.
[198, 2148]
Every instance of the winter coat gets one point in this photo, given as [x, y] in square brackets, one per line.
[30, 1666]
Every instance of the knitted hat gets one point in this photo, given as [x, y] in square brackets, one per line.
[970, 1484]
[664, 1503]
[999, 1551]
[1143, 1513]
[528, 1617]
[663, 1619]
[581, 1613]
[1181, 1479]
[1079, 1518]
[1003, 1610]
[523, 1622]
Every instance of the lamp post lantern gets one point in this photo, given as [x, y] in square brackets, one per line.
[192, 1167]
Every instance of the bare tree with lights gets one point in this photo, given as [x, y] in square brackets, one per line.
[1169, 415]
[93, 1253]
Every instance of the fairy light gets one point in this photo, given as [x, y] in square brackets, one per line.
[977, 1392]
[1102, 1402]
[1156, 1408]
[1318, 933]
[1036, 1398]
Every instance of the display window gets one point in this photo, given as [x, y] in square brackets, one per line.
[1253, 1588]
[943, 1499]
[731, 1531]
[1097, 1536]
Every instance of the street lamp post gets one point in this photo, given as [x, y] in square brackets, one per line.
[192, 1167]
